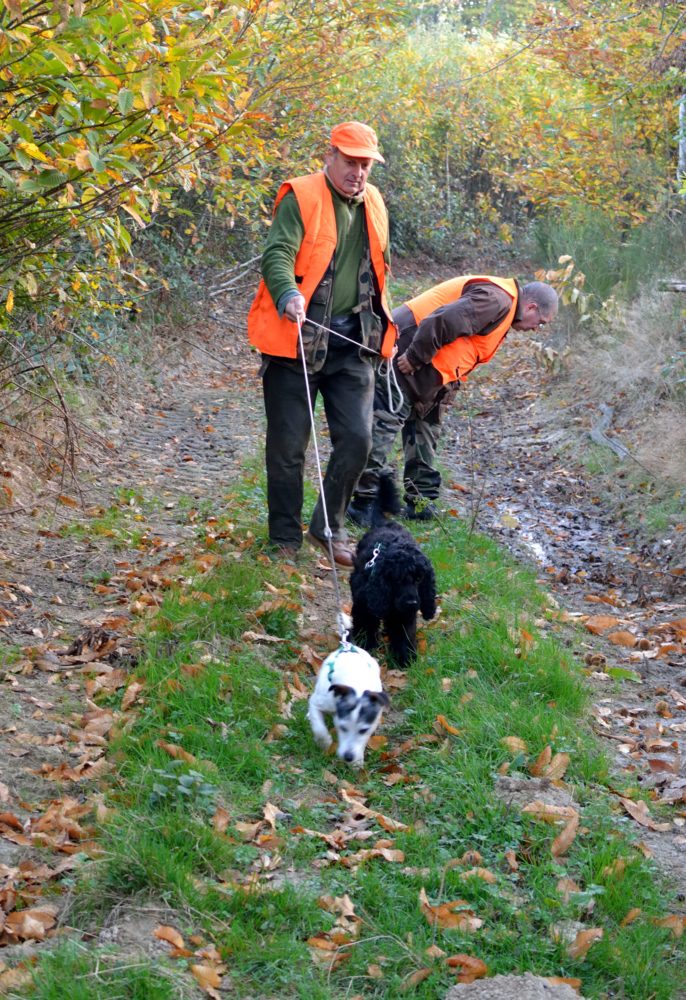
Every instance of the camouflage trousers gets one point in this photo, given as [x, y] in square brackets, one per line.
[419, 440]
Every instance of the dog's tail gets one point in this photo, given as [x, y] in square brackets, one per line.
[387, 500]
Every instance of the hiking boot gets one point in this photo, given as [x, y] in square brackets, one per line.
[342, 552]
[421, 510]
[360, 511]
[279, 552]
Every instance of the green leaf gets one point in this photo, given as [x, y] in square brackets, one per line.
[125, 100]
[621, 673]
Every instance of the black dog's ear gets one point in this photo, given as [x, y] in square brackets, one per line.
[378, 696]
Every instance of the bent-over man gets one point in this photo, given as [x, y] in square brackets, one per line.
[444, 334]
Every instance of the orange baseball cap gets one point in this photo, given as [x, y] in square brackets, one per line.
[356, 139]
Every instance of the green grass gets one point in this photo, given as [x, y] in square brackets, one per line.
[494, 667]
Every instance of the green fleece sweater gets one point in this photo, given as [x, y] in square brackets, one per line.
[283, 243]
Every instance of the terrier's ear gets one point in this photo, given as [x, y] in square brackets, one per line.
[380, 697]
[341, 690]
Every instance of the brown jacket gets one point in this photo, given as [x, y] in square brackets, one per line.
[480, 308]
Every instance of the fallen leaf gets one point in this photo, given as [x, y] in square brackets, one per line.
[633, 913]
[675, 922]
[470, 968]
[131, 694]
[640, 812]
[622, 638]
[563, 841]
[557, 767]
[169, 934]
[442, 723]
[597, 624]
[549, 813]
[583, 941]
[511, 859]
[177, 752]
[415, 978]
[515, 744]
[221, 819]
[541, 762]
[567, 887]
[564, 981]
[208, 978]
[482, 873]
[456, 914]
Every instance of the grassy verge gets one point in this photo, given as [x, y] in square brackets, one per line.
[301, 878]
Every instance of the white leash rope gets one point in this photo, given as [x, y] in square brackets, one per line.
[386, 368]
[328, 329]
[340, 620]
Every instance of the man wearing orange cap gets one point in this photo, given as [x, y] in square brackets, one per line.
[324, 268]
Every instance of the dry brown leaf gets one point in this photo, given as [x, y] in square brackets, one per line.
[633, 913]
[549, 813]
[470, 968]
[618, 867]
[208, 979]
[455, 914]
[221, 819]
[482, 873]
[169, 934]
[539, 765]
[177, 752]
[567, 887]
[640, 812]
[515, 744]
[622, 638]
[248, 831]
[131, 694]
[442, 723]
[675, 922]
[270, 813]
[557, 767]
[322, 943]
[32, 924]
[511, 859]
[434, 952]
[373, 852]
[15, 979]
[563, 841]
[360, 809]
[597, 624]
[583, 941]
[564, 981]
[338, 904]
[415, 978]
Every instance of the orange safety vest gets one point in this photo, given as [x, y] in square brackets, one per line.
[273, 334]
[454, 361]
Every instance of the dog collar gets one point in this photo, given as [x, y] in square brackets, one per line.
[345, 647]
[370, 562]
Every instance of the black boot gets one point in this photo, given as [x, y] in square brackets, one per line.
[360, 511]
[421, 509]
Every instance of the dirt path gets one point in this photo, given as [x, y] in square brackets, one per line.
[177, 448]
[515, 480]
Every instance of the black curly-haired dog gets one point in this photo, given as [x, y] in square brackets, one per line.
[391, 581]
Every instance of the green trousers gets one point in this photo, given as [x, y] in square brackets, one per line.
[419, 438]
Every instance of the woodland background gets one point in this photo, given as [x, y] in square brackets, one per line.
[141, 145]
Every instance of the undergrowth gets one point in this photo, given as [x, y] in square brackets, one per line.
[221, 802]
